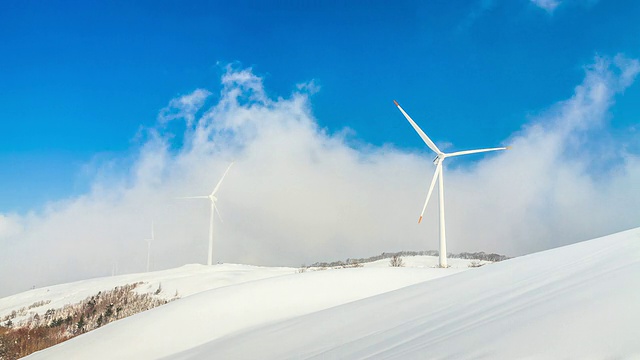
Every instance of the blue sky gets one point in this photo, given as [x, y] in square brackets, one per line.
[80, 78]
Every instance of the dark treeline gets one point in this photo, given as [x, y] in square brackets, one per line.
[387, 255]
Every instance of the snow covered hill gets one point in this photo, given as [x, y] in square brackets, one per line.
[180, 282]
[173, 283]
[192, 279]
[579, 301]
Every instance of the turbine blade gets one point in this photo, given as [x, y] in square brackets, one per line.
[424, 136]
[193, 197]
[217, 212]
[433, 183]
[467, 152]
[220, 182]
[152, 231]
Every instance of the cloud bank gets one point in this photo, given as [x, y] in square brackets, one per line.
[298, 194]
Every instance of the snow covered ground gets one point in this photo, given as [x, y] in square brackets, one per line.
[183, 281]
[579, 301]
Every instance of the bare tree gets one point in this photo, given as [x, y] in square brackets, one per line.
[396, 261]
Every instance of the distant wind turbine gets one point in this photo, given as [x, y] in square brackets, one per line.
[114, 268]
[213, 200]
[149, 246]
[440, 156]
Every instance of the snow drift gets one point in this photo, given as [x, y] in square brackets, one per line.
[578, 301]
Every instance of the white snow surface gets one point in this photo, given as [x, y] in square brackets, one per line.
[186, 280]
[183, 281]
[576, 302]
[579, 302]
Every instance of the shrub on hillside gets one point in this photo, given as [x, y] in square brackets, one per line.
[396, 261]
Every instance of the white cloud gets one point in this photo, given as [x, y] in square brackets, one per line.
[556, 190]
[298, 194]
[548, 5]
[184, 107]
[310, 87]
[10, 226]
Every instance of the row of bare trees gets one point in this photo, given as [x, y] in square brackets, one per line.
[38, 332]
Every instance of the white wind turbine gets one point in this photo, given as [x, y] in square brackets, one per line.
[440, 156]
[213, 199]
[149, 246]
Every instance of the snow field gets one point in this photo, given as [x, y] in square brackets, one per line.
[579, 301]
[200, 318]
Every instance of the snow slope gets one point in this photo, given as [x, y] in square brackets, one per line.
[195, 320]
[579, 301]
[184, 281]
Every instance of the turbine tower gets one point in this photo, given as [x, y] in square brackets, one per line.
[440, 156]
[213, 200]
[149, 246]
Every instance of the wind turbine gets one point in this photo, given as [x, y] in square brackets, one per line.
[440, 156]
[213, 199]
[149, 246]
